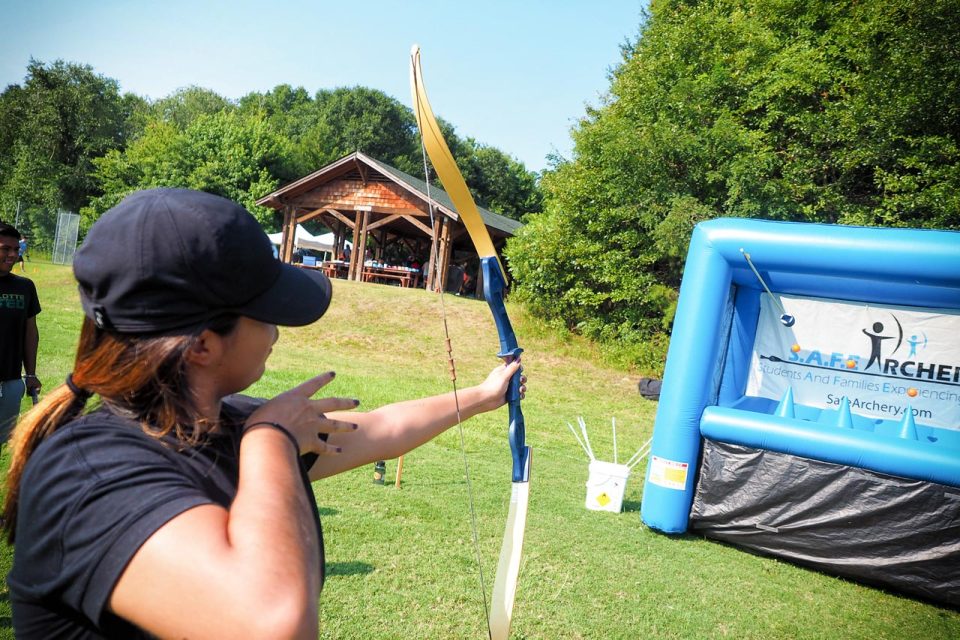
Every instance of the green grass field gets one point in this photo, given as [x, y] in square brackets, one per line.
[401, 563]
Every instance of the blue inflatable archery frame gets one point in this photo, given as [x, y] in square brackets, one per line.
[715, 326]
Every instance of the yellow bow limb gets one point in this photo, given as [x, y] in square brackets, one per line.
[445, 165]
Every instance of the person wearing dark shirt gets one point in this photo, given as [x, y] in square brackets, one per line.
[19, 337]
[174, 507]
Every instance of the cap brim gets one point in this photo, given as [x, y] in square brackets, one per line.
[297, 297]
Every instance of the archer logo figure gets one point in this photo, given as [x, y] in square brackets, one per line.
[875, 341]
[915, 342]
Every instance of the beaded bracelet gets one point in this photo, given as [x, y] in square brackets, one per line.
[274, 425]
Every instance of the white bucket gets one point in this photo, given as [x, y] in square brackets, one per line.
[606, 485]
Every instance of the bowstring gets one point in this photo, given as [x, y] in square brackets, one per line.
[435, 259]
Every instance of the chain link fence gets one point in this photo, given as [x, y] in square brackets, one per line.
[65, 240]
[40, 225]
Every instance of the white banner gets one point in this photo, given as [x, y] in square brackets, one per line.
[882, 358]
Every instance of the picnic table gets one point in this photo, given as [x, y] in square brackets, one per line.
[335, 268]
[386, 274]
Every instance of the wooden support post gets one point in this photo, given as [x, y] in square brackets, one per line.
[446, 249]
[360, 248]
[356, 256]
[381, 246]
[289, 234]
[434, 250]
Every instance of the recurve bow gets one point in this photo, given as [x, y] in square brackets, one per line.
[494, 281]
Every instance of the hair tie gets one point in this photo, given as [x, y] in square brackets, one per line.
[81, 394]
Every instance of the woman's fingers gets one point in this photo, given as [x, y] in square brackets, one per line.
[328, 405]
[329, 425]
[309, 387]
[326, 426]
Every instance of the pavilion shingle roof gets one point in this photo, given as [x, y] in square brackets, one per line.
[417, 186]
[491, 219]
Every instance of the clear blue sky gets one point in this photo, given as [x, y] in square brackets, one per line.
[516, 75]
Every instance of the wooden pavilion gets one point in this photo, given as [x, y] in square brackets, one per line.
[374, 206]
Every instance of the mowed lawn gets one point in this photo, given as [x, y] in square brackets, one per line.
[401, 563]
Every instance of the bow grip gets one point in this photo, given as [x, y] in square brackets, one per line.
[519, 451]
[493, 286]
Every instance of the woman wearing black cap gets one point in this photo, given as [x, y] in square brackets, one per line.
[175, 508]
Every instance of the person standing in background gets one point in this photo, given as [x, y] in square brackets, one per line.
[22, 253]
[19, 337]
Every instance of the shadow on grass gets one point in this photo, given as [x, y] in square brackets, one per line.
[348, 568]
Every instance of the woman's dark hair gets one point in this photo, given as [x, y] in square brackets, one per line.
[142, 377]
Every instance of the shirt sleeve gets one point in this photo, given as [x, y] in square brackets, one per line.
[160, 498]
[34, 303]
[88, 502]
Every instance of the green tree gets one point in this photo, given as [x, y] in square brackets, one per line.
[184, 106]
[901, 118]
[290, 113]
[788, 110]
[227, 153]
[286, 106]
[338, 122]
[69, 139]
[52, 128]
[502, 184]
[361, 119]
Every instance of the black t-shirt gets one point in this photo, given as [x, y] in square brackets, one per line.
[90, 496]
[18, 303]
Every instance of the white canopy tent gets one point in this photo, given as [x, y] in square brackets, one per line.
[305, 240]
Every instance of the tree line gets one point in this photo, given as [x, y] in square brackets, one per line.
[70, 140]
[797, 110]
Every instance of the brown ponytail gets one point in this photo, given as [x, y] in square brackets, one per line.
[141, 377]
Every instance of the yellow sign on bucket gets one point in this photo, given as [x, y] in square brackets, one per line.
[606, 485]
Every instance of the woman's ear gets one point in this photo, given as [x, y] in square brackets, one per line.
[206, 350]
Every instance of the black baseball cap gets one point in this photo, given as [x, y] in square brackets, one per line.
[172, 259]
